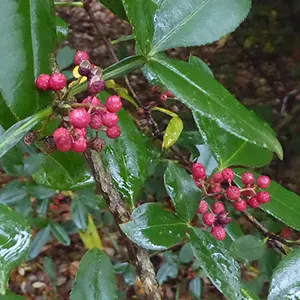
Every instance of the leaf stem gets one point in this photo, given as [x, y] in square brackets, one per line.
[73, 4]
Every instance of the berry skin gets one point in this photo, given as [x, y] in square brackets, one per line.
[163, 97]
[233, 193]
[113, 104]
[110, 119]
[228, 174]
[96, 85]
[217, 207]
[85, 68]
[80, 118]
[79, 133]
[80, 56]
[218, 177]
[96, 121]
[208, 219]
[253, 202]
[263, 197]
[113, 132]
[263, 181]
[57, 81]
[223, 219]
[97, 144]
[203, 207]
[42, 82]
[62, 139]
[248, 178]
[198, 171]
[92, 101]
[169, 94]
[240, 205]
[216, 189]
[249, 193]
[219, 233]
[30, 138]
[286, 233]
[79, 145]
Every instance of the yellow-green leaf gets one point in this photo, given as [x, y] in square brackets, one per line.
[172, 132]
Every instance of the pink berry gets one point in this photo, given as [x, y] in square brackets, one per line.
[57, 81]
[218, 177]
[110, 119]
[60, 132]
[198, 171]
[249, 193]
[233, 193]
[96, 85]
[263, 182]
[263, 197]
[248, 178]
[253, 202]
[216, 189]
[94, 101]
[96, 121]
[203, 207]
[217, 207]
[113, 132]
[163, 97]
[80, 56]
[79, 133]
[219, 233]
[42, 82]
[79, 145]
[113, 104]
[286, 233]
[62, 139]
[240, 205]
[80, 118]
[228, 174]
[169, 94]
[208, 219]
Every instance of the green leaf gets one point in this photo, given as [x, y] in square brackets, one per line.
[284, 204]
[40, 192]
[198, 22]
[65, 57]
[195, 288]
[62, 29]
[285, 283]
[183, 191]
[39, 242]
[207, 159]
[217, 262]
[248, 248]
[50, 269]
[95, 278]
[26, 44]
[186, 254]
[127, 270]
[15, 237]
[154, 228]
[167, 270]
[60, 234]
[79, 214]
[172, 132]
[11, 296]
[116, 6]
[13, 192]
[130, 159]
[208, 98]
[200, 64]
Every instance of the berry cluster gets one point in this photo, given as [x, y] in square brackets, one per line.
[55, 82]
[163, 96]
[220, 186]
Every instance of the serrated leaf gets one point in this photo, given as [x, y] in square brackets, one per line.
[183, 191]
[39, 242]
[95, 278]
[166, 271]
[60, 234]
[154, 228]
[217, 262]
[172, 132]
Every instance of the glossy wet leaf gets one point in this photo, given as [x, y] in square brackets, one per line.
[130, 159]
[166, 271]
[116, 6]
[172, 132]
[60, 234]
[183, 191]
[62, 29]
[284, 204]
[217, 262]
[79, 213]
[15, 238]
[195, 288]
[154, 228]
[207, 159]
[65, 57]
[27, 40]
[39, 241]
[95, 278]
[40, 192]
[208, 98]
[285, 283]
[195, 22]
[200, 64]
[186, 254]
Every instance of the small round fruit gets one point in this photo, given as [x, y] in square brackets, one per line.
[198, 171]
[79, 133]
[79, 145]
[253, 202]
[286, 233]
[113, 104]
[96, 85]
[97, 144]
[248, 178]
[163, 97]
[96, 121]
[263, 181]
[85, 68]
[62, 139]
[223, 218]
[80, 118]
[233, 193]
[240, 205]
[57, 81]
[110, 119]
[219, 233]
[217, 207]
[113, 132]
[217, 177]
[228, 174]
[208, 219]
[203, 207]
[263, 197]
[169, 94]
[60, 132]
[80, 56]
[42, 82]
[216, 189]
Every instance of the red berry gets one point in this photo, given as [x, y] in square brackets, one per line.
[286, 233]
[92, 101]
[57, 81]
[96, 121]
[263, 197]
[169, 94]
[113, 104]
[60, 132]
[198, 171]
[79, 145]
[42, 82]
[216, 189]
[80, 118]
[80, 56]
[240, 205]
[79, 133]
[219, 233]
[249, 193]
[163, 97]
[96, 85]
[248, 178]
[253, 202]
[218, 177]
[110, 119]
[263, 182]
[203, 207]
[223, 219]
[217, 207]
[233, 193]
[62, 139]
[228, 174]
[113, 132]
[85, 68]
[208, 219]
